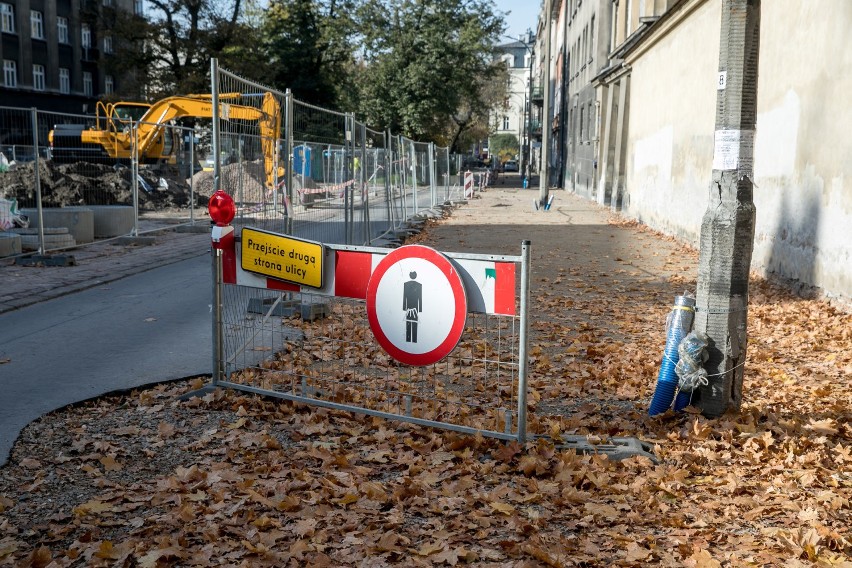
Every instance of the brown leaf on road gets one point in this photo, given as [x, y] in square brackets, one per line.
[702, 559]
[110, 464]
[40, 558]
[93, 507]
[504, 508]
[152, 558]
[430, 548]
[827, 426]
[165, 430]
[388, 543]
[30, 463]
[508, 451]
[637, 553]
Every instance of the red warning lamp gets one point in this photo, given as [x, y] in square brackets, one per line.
[221, 208]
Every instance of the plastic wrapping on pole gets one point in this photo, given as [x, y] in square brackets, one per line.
[679, 326]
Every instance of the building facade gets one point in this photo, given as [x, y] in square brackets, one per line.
[60, 55]
[654, 134]
[513, 115]
[584, 54]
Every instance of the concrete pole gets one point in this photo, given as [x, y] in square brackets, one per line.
[727, 230]
[544, 170]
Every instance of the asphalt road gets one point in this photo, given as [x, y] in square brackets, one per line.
[149, 327]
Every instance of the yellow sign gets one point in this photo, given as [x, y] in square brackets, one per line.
[284, 258]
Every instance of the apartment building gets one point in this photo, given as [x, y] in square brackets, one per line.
[584, 50]
[512, 117]
[641, 100]
[59, 55]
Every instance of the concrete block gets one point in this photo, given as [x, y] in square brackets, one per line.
[112, 220]
[80, 221]
[10, 243]
[54, 238]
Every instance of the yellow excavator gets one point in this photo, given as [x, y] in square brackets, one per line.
[122, 127]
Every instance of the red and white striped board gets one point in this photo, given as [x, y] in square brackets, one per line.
[489, 285]
[468, 184]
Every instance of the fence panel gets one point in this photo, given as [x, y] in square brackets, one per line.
[95, 181]
[376, 182]
[347, 185]
[316, 347]
[323, 174]
[248, 124]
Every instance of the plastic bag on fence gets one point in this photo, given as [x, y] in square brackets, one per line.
[10, 216]
[690, 366]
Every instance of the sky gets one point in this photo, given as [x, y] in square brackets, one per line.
[523, 16]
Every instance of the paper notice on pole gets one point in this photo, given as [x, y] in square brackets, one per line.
[734, 150]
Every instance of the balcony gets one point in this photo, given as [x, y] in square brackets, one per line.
[538, 95]
[535, 128]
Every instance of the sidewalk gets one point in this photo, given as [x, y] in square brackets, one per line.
[506, 208]
[96, 264]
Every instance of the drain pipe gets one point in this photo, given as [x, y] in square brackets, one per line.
[678, 325]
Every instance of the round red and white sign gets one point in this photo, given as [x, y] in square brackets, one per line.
[416, 305]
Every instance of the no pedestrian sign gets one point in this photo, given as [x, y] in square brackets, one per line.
[284, 258]
[416, 305]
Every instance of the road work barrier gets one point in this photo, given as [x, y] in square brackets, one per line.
[327, 346]
[301, 291]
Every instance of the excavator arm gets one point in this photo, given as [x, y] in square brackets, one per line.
[111, 139]
[268, 117]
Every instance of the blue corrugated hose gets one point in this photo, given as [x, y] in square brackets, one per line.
[682, 400]
[681, 323]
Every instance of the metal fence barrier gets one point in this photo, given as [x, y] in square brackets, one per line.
[76, 192]
[345, 187]
[346, 182]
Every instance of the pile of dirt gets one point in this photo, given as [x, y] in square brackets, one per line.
[244, 181]
[83, 183]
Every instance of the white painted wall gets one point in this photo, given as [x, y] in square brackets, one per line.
[803, 158]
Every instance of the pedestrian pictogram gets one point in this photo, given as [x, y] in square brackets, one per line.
[416, 305]
[412, 304]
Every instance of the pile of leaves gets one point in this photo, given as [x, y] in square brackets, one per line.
[147, 479]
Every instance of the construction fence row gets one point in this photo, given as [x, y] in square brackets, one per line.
[129, 170]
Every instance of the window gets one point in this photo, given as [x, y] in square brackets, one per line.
[64, 80]
[592, 40]
[86, 36]
[37, 24]
[8, 18]
[593, 131]
[505, 123]
[107, 2]
[109, 84]
[87, 84]
[108, 44]
[10, 73]
[582, 121]
[62, 29]
[571, 127]
[138, 7]
[38, 77]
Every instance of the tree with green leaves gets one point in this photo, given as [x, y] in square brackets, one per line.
[179, 39]
[504, 146]
[427, 65]
[309, 47]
